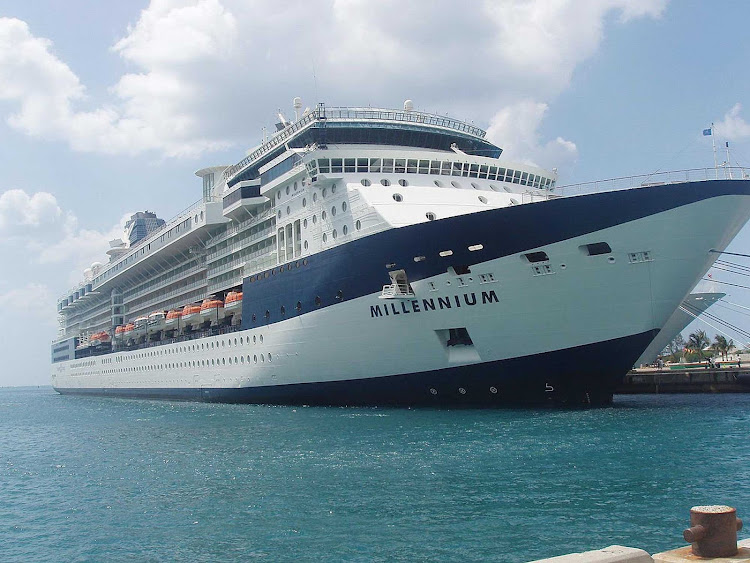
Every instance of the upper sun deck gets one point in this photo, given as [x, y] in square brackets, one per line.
[371, 126]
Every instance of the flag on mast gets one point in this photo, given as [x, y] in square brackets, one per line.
[707, 132]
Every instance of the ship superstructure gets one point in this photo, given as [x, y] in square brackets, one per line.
[371, 256]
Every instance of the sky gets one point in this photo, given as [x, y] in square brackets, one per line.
[107, 108]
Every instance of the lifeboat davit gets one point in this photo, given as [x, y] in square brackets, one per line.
[233, 302]
[156, 322]
[191, 315]
[173, 318]
[99, 338]
[212, 310]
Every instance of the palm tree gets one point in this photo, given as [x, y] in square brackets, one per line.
[697, 341]
[720, 345]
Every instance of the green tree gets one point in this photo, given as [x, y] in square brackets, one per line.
[674, 351]
[696, 343]
[722, 345]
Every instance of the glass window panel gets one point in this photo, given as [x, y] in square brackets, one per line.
[400, 165]
[424, 166]
[524, 176]
[446, 168]
[349, 165]
[457, 168]
[361, 165]
[324, 165]
[336, 165]
[374, 165]
[516, 176]
[388, 166]
[483, 171]
[411, 166]
[474, 170]
[435, 167]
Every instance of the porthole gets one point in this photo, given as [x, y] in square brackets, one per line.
[324, 192]
[323, 215]
[279, 214]
[288, 210]
[493, 390]
[287, 190]
[365, 182]
[304, 223]
[295, 186]
[241, 341]
[305, 245]
[261, 339]
[513, 201]
[385, 182]
[482, 199]
[283, 310]
[315, 197]
[343, 206]
[345, 230]
[304, 202]
[456, 184]
[278, 195]
[315, 219]
[430, 216]
[475, 247]
[475, 186]
[494, 188]
[254, 319]
[333, 189]
[333, 210]
[403, 183]
[269, 356]
[230, 361]
[255, 338]
[433, 390]
[358, 224]
[262, 358]
[334, 233]
[255, 358]
[325, 238]
[318, 302]
[438, 183]
[235, 341]
[242, 359]
[398, 197]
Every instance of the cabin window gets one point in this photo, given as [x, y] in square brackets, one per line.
[538, 256]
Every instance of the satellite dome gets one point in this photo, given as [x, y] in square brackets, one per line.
[297, 103]
[408, 105]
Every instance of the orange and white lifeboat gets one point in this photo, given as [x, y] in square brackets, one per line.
[173, 319]
[100, 338]
[128, 329]
[212, 310]
[191, 315]
[156, 321]
[233, 302]
[119, 333]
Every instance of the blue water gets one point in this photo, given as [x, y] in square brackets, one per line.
[87, 479]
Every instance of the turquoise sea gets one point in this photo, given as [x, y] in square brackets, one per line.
[88, 479]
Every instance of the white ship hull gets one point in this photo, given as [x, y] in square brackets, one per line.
[563, 330]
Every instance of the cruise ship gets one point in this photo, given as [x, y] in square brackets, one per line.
[363, 256]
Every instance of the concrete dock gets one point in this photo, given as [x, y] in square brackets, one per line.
[695, 380]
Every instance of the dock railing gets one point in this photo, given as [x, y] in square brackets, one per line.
[654, 179]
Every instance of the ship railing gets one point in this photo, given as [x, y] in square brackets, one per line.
[181, 216]
[655, 179]
[234, 247]
[353, 114]
[233, 230]
[396, 290]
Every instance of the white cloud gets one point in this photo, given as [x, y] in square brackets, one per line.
[34, 300]
[516, 128]
[49, 235]
[205, 69]
[733, 126]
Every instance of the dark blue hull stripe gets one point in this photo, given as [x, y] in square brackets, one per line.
[359, 267]
[580, 375]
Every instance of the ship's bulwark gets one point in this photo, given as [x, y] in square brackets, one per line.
[585, 375]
